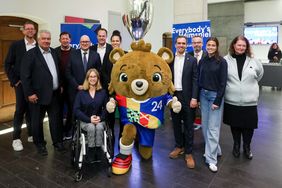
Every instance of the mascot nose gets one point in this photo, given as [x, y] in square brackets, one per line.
[139, 84]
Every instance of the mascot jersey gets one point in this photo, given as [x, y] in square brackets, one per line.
[148, 113]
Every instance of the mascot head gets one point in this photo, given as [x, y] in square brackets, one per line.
[141, 74]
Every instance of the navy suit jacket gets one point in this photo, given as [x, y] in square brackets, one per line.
[13, 61]
[36, 77]
[107, 66]
[189, 78]
[204, 54]
[75, 73]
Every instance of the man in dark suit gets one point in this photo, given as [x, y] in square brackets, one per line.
[41, 84]
[198, 53]
[64, 51]
[12, 68]
[104, 49]
[184, 71]
[81, 60]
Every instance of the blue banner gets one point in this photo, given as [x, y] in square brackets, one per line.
[77, 30]
[202, 29]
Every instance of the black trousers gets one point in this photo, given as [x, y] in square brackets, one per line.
[65, 101]
[55, 126]
[22, 110]
[247, 135]
[183, 137]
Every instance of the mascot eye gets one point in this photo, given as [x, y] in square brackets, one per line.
[157, 77]
[123, 77]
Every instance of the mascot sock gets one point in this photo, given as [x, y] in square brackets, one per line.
[123, 160]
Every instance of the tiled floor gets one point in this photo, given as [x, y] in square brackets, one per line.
[28, 169]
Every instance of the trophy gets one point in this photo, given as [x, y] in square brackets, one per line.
[139, 18]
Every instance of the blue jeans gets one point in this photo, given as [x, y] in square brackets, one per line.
[211, 122]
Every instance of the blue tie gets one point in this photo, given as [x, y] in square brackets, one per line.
[84, 61]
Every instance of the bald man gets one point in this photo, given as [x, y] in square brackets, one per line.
[81, 60]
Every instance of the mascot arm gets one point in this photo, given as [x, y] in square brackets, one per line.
[111, 105]
[175, 105]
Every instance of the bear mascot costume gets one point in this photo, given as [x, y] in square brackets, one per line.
[142, 83]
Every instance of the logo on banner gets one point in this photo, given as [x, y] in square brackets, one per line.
[189, 30]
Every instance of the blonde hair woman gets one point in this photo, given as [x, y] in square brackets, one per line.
[90, 110]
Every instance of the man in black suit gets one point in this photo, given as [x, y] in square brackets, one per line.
[64, 51]
[12, 68]
[41, 84]
[198, 53]
[104, 49]
[184, 71]
[197, 44]
[81, 60]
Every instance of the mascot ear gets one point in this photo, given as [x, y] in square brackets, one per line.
[116, 54]
[166, 54]
[171, 88]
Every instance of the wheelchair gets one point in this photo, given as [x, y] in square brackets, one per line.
[79, 150]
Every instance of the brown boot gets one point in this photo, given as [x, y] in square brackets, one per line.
[176, 152]
[189, 161]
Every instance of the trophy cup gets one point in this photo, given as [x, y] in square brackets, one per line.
[139, 18]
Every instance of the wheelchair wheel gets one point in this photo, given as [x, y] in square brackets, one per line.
[78, 176]
[110, 147]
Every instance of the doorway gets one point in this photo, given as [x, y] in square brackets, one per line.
[10, 31]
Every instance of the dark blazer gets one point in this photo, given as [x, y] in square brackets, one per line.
[107, 66]
[204, 54]
[36, 77]
[13, 61]
[75, 71]
[189, 78]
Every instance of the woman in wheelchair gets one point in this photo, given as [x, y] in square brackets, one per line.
[90, 110]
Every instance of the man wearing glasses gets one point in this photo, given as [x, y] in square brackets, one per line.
[12, 69]
[198, 53]
[81, 60]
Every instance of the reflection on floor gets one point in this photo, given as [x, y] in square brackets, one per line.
[28, 169]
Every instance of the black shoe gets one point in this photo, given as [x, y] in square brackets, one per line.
[42, 150]
[248, 153]
[59, 147]
[236, 150]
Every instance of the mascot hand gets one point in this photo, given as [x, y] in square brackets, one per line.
[111, 105]
[176, 105]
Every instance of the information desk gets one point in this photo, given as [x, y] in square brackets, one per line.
[272, 75]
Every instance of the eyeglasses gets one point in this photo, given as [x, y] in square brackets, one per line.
[84, 42]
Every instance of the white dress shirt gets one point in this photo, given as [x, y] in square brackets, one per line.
[178, 70]
[101, 51]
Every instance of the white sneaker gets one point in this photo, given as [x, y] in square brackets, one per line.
[212, 167]
[30, 139]
[17, 145]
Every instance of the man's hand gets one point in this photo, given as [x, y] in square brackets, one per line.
[33, 98]
[193, 103]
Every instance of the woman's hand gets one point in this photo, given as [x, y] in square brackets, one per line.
[95, 119]
[214, 107]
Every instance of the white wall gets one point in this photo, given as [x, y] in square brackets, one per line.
[49, 14]
[264, 11]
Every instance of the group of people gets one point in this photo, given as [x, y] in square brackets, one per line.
[66, 83]
[50, 80]
[221, 87]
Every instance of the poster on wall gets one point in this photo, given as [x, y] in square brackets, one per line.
[202, 29]
[78, 29]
